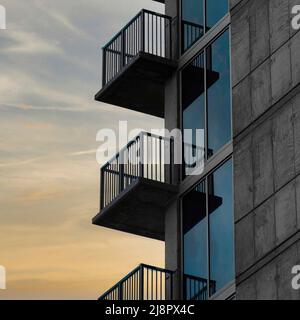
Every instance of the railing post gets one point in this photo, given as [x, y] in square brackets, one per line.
[123, 48]
[171, 286]
[121, 173]
[172, 162]
[103, 66]
[170, 39]
[102, 185]
[141, 280]
[143, 31]
[142, 150]
[120, 291]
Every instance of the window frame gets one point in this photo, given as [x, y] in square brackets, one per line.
[228, 290]
[223, 155]
[181, 42]
[203, 50]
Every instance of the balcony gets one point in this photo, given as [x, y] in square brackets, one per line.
[136, 64]
[151, 283]
[143, 283]
[136, 187]
[195, 288]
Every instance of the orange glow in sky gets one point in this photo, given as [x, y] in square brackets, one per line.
[49, 178]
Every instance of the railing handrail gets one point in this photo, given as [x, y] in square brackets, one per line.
[147, 156]
[156, 268]
[192, 24]
[195, 278]
[120, 32]
[132, 141]
[132, 20]
[130, 274]
[148, 32]
[141, 267]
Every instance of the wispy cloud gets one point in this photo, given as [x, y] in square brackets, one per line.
[29, 43]
[18, 163]
[50, 62]
[84, 152]
[64, 21]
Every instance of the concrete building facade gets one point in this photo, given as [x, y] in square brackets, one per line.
[232, 70]
[266, 105]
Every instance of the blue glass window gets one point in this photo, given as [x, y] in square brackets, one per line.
[215, 10]
[192, 22]
[221, 232]
[218, 93]
[206, 105]
[195, 243]
[193, 104]
[208, 214]
[194, 18]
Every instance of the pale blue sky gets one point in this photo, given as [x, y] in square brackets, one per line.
[50, 62]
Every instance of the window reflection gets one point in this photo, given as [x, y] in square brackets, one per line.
[192, 22]
[211, 99]
[195, 241]
[216, 202]
[218, 93]
[221, 226]
[193, 104]
[215, 10]
[194, 19]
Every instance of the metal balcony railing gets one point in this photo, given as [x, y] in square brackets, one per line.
[191, 33]
[195, 288]
[147, 32]
[147, 156]
[143, 283]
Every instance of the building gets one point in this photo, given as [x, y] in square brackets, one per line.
[232, 71]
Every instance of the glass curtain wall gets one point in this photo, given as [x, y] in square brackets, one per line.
[208, 235]
[206, 104]
[196, 14]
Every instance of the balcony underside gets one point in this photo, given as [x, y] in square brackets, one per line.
[139, 209]
[140, 85]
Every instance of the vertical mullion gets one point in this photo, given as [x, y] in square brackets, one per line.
[161, 287]
[205, 106]
[152, 33]
[208, 239]
[156, 40]
[204, 16]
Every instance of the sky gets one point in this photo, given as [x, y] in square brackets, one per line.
[50, 62]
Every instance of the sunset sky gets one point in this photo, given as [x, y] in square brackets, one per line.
[50, 62]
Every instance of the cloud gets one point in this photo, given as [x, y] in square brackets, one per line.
[65, 22]
[84, 152]
[18, 163]
[28, 43]
[50, 62]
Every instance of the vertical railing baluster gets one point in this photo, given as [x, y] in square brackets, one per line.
[148, 32]
[102, 189]
[143, 31]
[121, 172]
[142, 160]
[103, 67]
[141, 281]
[171, 289]
[148, 17]
[123, 44]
